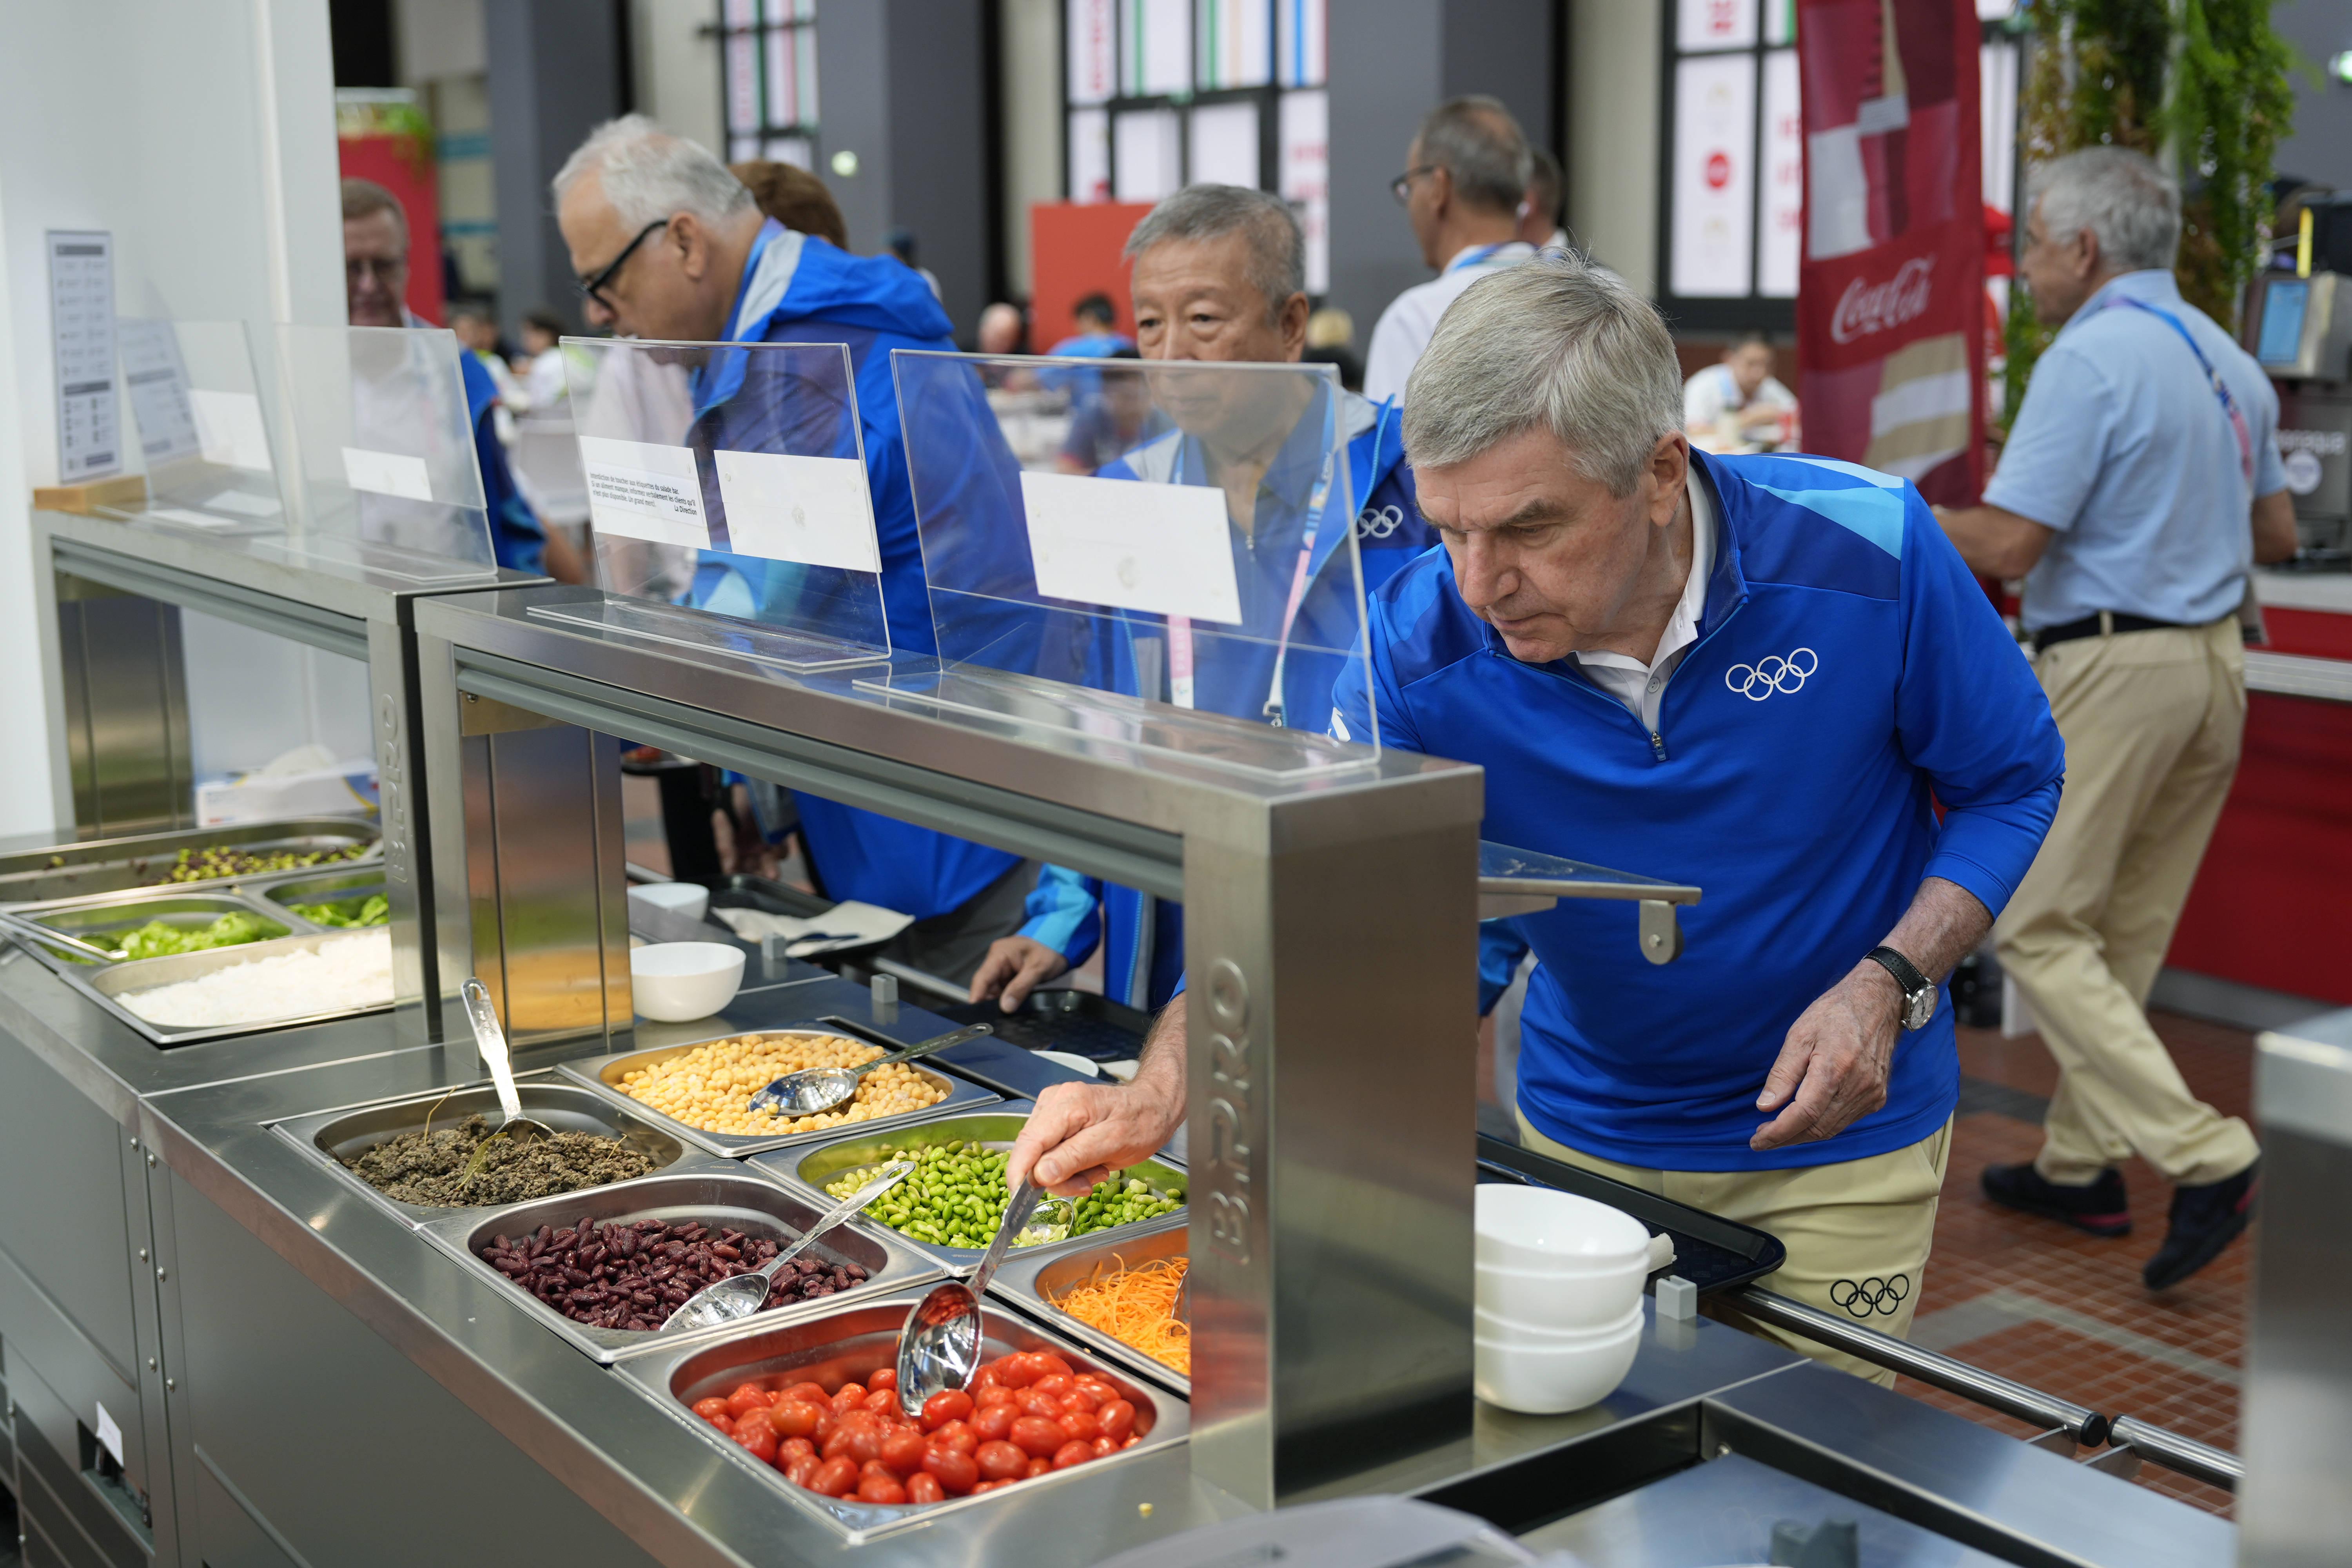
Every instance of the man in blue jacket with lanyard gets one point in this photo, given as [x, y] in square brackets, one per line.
[1760, 675]
[670, 245]
[1219, 276]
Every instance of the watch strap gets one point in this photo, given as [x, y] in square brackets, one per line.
[1906, 974]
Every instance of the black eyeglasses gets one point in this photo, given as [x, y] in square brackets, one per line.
[1402, 187]
[593, 288]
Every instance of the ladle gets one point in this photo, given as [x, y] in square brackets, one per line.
[518, 1128]
[938, 1348]
[812, 1090]
[740, 1295]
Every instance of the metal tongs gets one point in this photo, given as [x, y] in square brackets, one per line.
[29, 930]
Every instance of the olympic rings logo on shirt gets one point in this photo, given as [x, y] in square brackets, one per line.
[1862, 1298]
[1379, 522]
[1773, 673]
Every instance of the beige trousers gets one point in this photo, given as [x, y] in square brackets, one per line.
[1858, 1232]
[2152, 722]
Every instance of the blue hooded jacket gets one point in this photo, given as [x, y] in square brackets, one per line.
[800, 288]
[516, 537]
[1849, 676]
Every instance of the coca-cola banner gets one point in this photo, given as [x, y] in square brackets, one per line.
[1890, 295]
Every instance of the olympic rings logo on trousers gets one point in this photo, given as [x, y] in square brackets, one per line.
[1882, 1296]
[1379, 522]
[1773, 673]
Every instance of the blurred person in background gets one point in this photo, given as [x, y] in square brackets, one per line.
[793, 197]
[900, 244]
[375, 281]
[545, 385]
[475, 323]
[1540, 217]
[1003, 329]
[1112, 424]
[1466, 177]
[1098, 336]
[2141, 480]
[1331, 339]
[1736, 400]
[667, 245]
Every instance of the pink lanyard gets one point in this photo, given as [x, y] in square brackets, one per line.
[2213, 377]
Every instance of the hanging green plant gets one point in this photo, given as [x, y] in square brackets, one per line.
[2230, 105]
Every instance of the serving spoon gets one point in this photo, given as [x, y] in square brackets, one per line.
[740, 1295]
[517, 1129]
[938, 1348]
[812, 1090]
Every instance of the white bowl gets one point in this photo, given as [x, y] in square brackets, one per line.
[1505, 1330]
[1545, 1231]
[1546, 1381]
[673, 982]
[691, 900]
[1570, 1301]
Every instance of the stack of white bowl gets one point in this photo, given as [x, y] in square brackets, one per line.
[1560, 1298]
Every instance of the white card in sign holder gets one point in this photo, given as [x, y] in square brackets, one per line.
[816, 511]
[388, 473]
[1161, 549]
[643, 490]
[229, 428]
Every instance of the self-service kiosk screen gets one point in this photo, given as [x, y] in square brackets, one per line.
[2280, 339]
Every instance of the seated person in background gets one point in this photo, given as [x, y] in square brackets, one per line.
[1098, 336]
[1331, 339]
[545, 389]
[1738, 400]
[1111, 423]
[475, 323]
[1004, 330]
[1220, 276]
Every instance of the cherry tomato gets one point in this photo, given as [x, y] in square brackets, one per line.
[1080, 1424]
[802, 1468]
[759, 1440]
[1000, 1461]
[958, 1473]
[1033, 1403]
[1047, 1363]
[746, 1396]
[921, 1487]
[1116, 1420]
[957, 1437]
[723, 1421]
[792, 1449]
[1073, 1453]
[866, 1444]
[903, 1451]
[984, 1378]
[1014, 1371]
[875, 1468]
[1037, 1467]
[1038, 1438]
[994, 1422]
[1085, 1399]
[1056, 1383]
[794, 1418]
[825, 1423]
[948, 1404]
[812, 1392]
[834, 1477]
[996, 1393]
[883, 1401]
[985, 1486]
[848, 1396]
[1106, 1446]
[886, 1378]
[880, 1489]
[714, 1406]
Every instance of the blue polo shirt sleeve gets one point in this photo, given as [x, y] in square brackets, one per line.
[1063, 912]
[1969, 714]
[1367, 680]
[2059, 445]
[1500, 948]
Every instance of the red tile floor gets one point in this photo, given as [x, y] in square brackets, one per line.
[2034, 1300]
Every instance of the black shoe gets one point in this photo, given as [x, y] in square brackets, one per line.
[2204, 1220]
[2100, 1208]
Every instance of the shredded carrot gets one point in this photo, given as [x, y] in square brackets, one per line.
[1136, 1307]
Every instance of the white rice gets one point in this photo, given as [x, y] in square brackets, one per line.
[344, 975]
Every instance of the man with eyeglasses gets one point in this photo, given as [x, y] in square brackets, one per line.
[668, 245]
[1466, 178]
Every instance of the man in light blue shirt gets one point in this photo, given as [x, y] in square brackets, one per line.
[2141, 481]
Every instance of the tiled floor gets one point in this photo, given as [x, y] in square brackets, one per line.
[2066, 1313]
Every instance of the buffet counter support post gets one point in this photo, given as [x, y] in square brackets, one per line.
[1330, 935]
[110, 594]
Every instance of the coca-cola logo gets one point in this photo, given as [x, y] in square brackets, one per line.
[1867, 307]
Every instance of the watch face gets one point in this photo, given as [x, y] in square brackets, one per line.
[1918, 1007]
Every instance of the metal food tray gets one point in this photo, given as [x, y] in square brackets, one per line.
[1032, 1283]
[103, 984]
[332, 886]
[834, 1348]
[717, 1194]
[604, 1074]
[1713, 1253]
[809, 1170]
[112, 914]
[71, 870]
[327, 1137]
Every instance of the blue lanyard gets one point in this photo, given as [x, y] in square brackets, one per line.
[2229, 409]
[1477, 256]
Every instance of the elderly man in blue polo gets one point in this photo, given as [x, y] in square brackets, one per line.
[1762, 675]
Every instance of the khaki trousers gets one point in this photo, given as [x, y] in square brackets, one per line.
[2152, 721]
[1858, 1232]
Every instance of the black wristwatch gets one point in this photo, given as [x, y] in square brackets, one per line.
[1919, 991]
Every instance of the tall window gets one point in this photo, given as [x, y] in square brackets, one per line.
[1734, 168]
[768, 68]
[1160, 94]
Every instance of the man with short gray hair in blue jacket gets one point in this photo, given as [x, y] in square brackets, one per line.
[1762, 675]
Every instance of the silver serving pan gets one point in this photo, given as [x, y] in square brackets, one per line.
[833, 1348]
[331, 1137]
[106, 985]
[809, 1168]
[74, 870]
[604, 1073]
[715, 1195]
[101, 918]
[1034, 1284]
[334, 887]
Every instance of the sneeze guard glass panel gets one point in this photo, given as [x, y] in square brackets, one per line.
[727, 488]
[203, 434]
[1175, 537]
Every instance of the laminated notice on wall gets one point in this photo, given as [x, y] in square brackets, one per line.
[110, 1436]
[388, 473]
[814, 510]
[229, 428]
[1162, 549]
[82, 332]
[641, 490]
[157, 379]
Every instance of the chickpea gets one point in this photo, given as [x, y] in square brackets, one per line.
[710, 1085]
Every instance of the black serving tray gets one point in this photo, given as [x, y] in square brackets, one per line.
[1712, 1253]
[1078, 1022]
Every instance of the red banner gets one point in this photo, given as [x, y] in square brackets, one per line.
[1890, 294]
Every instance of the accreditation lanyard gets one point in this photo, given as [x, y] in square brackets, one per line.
[1475, 258]
[2236, 416]
[1180, 628]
